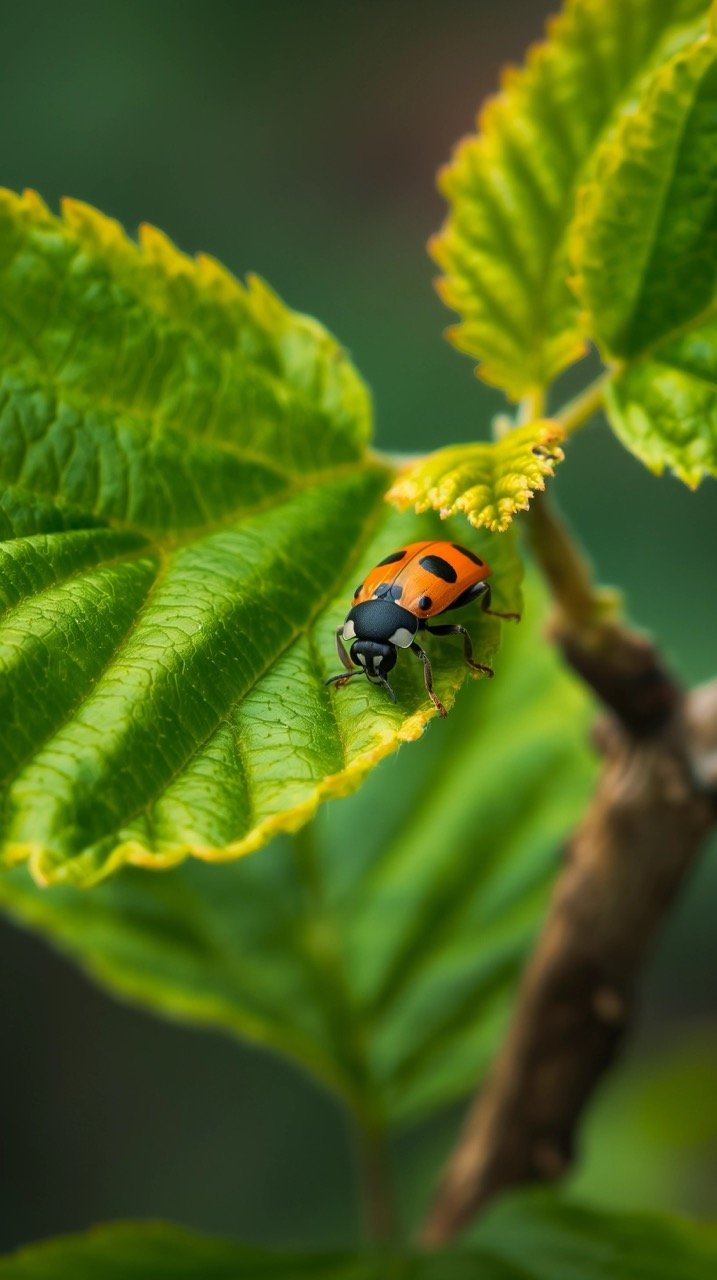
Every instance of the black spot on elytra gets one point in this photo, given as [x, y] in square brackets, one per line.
[439, 567]
[357, 592]
[470, 554]
[394, 557]
[425, 602]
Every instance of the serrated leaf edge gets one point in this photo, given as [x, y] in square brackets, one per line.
[404, 492]
[337, 785]
[479, 142]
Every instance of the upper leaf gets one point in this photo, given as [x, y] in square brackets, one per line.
[646, 259]
[531, 1238]
[488, 482]
[186, 506]
[512, 187]
[645, 237]
[381, 948]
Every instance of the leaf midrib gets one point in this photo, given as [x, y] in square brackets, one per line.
[364, 1091]
[172, 540]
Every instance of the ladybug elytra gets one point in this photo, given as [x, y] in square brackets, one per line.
[395, 601]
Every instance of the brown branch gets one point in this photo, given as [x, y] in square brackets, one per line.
[653, 806]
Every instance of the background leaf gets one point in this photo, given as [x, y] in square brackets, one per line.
[545, 1238]
[538, 1239]
[651, 1135]
[381, 948]
[487, 482]
[646, 260]
[664, 408]
[187, 506]
[512, 186]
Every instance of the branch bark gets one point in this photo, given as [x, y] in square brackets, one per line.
[654, 804]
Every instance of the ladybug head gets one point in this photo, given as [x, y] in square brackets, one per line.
[377, 659]
[379, 628]
[383, 621]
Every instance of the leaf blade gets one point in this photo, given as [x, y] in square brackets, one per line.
[646, 260]
[664, 409]
[511, 187]
[559, 1240]
[646, 231]
[187, 497]
[569, 1243]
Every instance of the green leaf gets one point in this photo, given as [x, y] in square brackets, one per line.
[534, 1239]
[646, 262]
[381, 948]
[664, 408]
[545, 1238]
[487, 482]
[646, 231]
[187, 504]
[158, 1251]
[512, 186]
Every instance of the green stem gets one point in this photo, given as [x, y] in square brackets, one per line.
[532, 406]
[376, 1178]
[587, 403]
[323, 941]
[582, 607]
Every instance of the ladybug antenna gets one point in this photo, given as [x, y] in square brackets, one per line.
[388, 688]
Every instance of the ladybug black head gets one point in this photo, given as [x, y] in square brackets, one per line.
[376, 659]
[383, 621]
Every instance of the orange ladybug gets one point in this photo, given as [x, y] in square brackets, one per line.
[393, 603]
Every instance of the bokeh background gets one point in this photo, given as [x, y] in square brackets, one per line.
[301, 141]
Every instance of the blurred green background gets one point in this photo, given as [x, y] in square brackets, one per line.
[301, 141]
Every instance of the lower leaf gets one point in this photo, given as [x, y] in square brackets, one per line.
[544, 1237]
[540, 1239]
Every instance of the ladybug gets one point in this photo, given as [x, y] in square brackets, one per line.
[395, 601]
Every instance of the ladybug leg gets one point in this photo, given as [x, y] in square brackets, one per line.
[346, 661]
[343, 677]
[428, 678]
[457, 630]
[485, 606]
